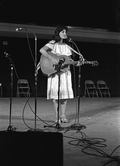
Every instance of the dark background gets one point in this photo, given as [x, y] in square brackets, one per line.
[88, 14]
[82, 13]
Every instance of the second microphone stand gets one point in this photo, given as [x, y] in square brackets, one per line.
[10, 127]
[35, 64]
[77, 126]
[35, 127]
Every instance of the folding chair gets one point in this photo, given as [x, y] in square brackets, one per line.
[90, 89]
[103, 89]
[23, 88]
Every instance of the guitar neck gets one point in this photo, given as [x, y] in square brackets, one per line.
[87, 62]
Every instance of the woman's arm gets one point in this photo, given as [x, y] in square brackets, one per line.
[45, 51]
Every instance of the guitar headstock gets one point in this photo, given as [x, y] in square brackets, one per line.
[94, 63]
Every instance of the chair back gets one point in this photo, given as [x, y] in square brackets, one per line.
[24, 81]
[101, 83]
[89, 83]
[23, 87]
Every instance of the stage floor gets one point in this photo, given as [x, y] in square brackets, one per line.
[90, 146]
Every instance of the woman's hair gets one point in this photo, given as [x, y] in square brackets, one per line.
[56, 36]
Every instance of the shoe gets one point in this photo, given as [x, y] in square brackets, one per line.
[56, 120]
[63, 119]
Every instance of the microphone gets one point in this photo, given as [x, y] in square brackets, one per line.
[69, 39]
[6, 54]
[61, 61]
[18, 29]
[59, 64]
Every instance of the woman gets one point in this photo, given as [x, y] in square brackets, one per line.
[59, 47]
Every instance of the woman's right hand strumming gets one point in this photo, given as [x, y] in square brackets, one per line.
[54, 61]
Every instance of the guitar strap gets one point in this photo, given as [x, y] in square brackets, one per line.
[75, 51]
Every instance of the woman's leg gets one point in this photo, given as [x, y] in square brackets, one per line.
[63, 104]
[55, 103]
[63, 109]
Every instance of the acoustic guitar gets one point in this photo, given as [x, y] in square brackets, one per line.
[48, 68]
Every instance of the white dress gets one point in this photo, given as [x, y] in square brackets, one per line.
[66, 91]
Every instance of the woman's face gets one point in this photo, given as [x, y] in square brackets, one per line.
[63, 34]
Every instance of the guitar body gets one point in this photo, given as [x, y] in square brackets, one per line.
[48, 68]
[46, 65]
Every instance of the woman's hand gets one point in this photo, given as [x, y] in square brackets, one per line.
[54, 61]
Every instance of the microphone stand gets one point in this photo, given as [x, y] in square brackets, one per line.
[35, 122]
[35, 125]
[57, 68]
[10, 128]
[35, 74]
[58, 72]
[77, 126]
